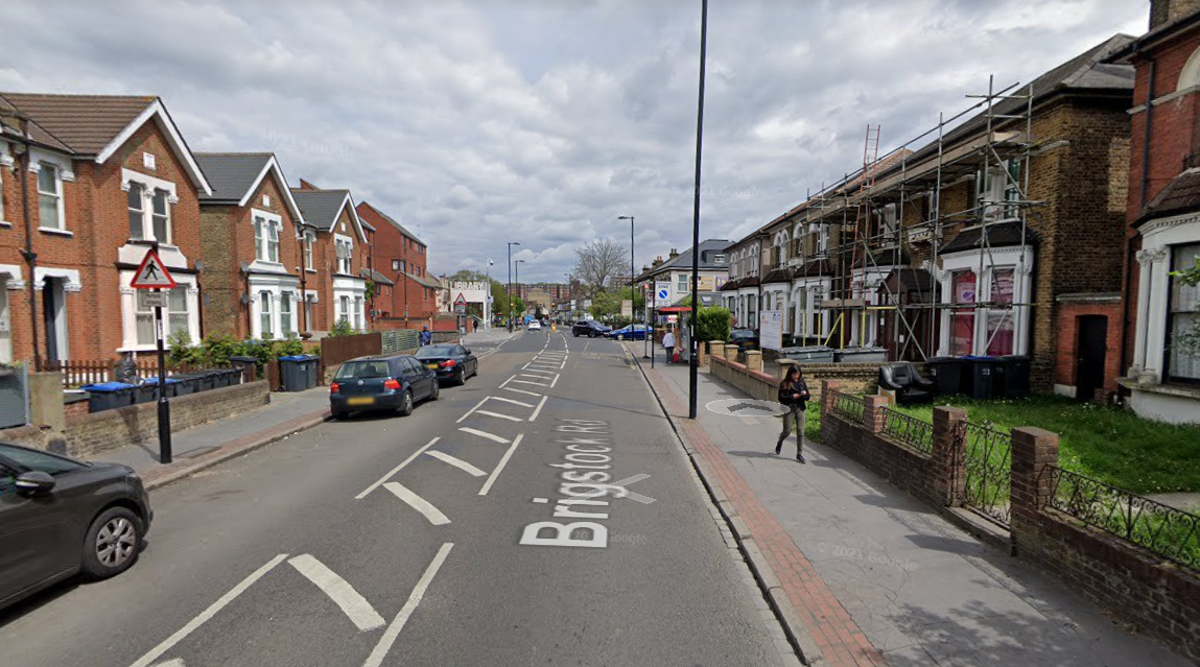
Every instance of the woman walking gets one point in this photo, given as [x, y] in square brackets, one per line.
[793, 394]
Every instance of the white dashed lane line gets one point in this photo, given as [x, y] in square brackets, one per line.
[433, 514]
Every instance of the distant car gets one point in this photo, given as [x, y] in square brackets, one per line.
[631, 332]
[745, 339]
[450, 361]
[378, 383]
[60, 517]
[534, 325]
[589, 328]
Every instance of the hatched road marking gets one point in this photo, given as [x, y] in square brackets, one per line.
[509, 400]
[497, 415]
[457, 463]
[538, 411]
[418, 593]
[361, 613]
[395, 470]
[485, 434]
[500, 466]
[433, 514]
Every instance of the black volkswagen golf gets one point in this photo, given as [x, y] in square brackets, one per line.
[60, 517]
[381, 383]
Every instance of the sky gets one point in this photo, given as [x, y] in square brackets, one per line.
[481, 122]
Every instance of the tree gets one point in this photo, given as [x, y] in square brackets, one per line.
[605, 305]
[712, 323]
[597, 263]
[467, 276]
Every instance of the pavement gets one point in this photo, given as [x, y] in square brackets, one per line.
[877, 578]
[544, 513]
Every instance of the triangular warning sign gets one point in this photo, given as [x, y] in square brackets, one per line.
[152, 273]
[461, 300]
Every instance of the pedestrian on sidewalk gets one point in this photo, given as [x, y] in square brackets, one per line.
[793, 394]
[669, 344]
[426, 336]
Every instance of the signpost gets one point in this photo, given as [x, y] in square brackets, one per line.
[152, 274]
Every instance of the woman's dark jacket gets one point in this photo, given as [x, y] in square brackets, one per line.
[785, 394]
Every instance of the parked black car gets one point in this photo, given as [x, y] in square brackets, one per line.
[381, 383]
[60, 517]
[589, 328]
[451, 362]
[745, 339]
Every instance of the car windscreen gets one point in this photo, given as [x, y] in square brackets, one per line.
[435, 351]
[363, 370]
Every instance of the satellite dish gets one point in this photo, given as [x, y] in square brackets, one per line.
[199, 265]
[245, 298]
[244, 266]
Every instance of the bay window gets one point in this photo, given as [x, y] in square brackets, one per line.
[1183, 317]
[264, 315]
[285, 314]
[1000, 318]
[962, 328]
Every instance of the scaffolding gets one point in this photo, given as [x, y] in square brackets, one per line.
[879, 220]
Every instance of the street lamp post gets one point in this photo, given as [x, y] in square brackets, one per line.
[632, 274]
[517, 273]
[487, 296]
[510, 276]
[693, 367]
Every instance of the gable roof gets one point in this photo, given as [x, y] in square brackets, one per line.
[235, 177]
[387, 218]
[683, 261]
[321, 208]
[96, 126]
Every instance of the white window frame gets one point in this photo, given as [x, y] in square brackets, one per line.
[271, 225]
[345, 259]
[130, 312]
[266, 315]
[1001, 259]
[310, 240]
[149, 185]
[682, 286]
[288, 298]
[60, 211]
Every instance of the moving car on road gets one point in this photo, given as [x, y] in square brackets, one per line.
[60, 517]
[589, 328]
[450, 361]
[535, 325]
[381, 383]
[631, 332]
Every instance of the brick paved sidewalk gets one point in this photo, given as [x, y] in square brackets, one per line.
[874, 576]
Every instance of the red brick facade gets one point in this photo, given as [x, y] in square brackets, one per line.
[1070, 310]
[403, 258]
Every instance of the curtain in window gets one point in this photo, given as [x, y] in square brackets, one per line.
[178, 309]
[264, 310]
[962, 320]
[1184, 315]
[285, 313]
[1000, 322]
[272, 243]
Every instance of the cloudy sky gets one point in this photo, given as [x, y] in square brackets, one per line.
[541, 121]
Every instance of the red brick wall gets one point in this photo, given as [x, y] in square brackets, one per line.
[1068, 343]
[392, 245]
[97, 217]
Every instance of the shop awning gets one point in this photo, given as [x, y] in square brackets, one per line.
[675, 309]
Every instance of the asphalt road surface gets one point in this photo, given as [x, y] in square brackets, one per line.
[543, 514]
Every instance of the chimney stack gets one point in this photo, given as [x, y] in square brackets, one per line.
[1163, 12]
[674, 253]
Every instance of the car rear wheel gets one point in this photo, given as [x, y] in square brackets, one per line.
[406, 405]
[112, 543]
[437, 391]
[339, 414]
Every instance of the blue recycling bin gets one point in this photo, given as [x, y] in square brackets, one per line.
[109, 395]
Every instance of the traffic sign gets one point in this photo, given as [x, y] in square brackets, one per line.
[152, 273]
[461, 300]
[147, 299]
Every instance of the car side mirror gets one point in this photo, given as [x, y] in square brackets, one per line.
[35, 483]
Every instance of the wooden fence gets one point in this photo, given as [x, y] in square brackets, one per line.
[339, 349]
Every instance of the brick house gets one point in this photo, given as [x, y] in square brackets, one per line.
[402, 258]
[1163, 214]
[258, 251]
[991, 241]
[676, 272]
[105, 177]
[338, 280]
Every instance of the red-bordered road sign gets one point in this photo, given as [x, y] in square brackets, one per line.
[152, 273]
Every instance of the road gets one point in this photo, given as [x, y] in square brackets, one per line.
[416, 541]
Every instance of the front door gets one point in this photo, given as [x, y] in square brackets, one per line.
[54, 316]
[6, 354]
[1092, 346]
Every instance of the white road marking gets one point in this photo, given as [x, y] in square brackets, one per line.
[361, 613]
[497, 415]
[393, 632]
[173, 662]
[485, 434]
[507, 381]
[509, 400]
[500, 466]
[395, 470]
[538, 411]
[534, 374]
[468, 414]
[418, 503]
[564, 365]
[457, 463]
[555, 381]
[212, 610]
[540, 384]
[522, 391]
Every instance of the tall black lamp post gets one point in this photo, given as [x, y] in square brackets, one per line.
[509, 290]
[517, 273]
[693, 370]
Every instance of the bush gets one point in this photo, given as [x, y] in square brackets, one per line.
[342, 328]
[713, 323]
